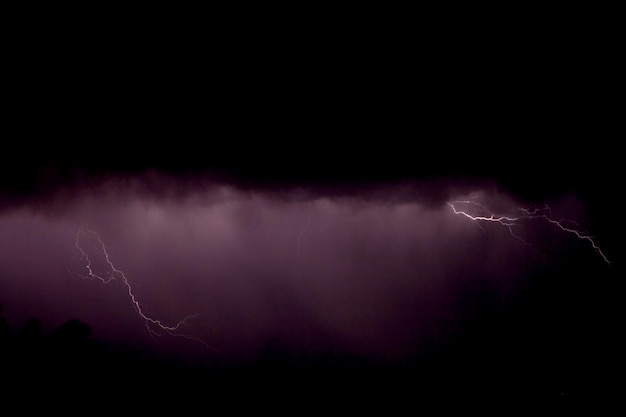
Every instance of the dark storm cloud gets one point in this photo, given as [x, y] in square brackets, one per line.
[375, 271]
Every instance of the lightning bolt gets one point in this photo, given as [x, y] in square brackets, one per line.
[511, 222]
[155, 327]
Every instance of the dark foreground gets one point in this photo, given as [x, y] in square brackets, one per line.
[549, 350]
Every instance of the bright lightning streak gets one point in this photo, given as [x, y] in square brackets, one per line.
[525, 214]
[155, 327]
[508, 222]
[560, 224]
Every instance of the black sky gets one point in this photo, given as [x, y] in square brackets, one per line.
[532, 106]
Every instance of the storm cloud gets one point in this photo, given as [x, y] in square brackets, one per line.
[380, 272]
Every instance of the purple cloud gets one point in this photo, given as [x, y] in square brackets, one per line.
[374, 271]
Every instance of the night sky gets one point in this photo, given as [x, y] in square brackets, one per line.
[307, 214]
